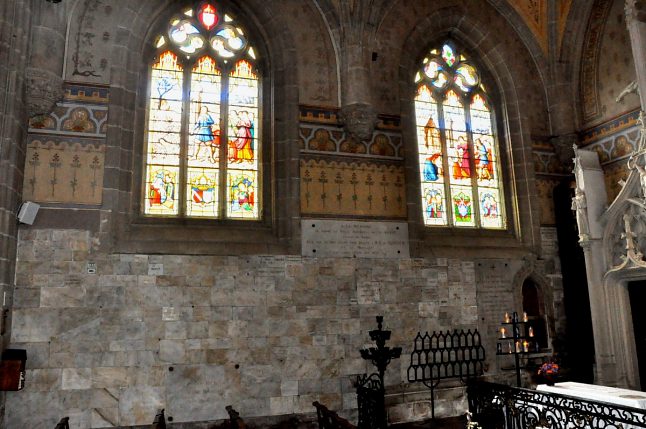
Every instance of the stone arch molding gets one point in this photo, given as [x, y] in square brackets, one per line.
[138, 24]
[505, 77]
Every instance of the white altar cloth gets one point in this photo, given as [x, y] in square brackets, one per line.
[612, 395]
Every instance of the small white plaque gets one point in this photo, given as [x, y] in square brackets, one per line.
[91, 267]
[155, 269]
[354, 239]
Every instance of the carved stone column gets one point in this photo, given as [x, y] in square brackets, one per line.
[636, 22]
[44, 73]
[590, 202]
[358, 22]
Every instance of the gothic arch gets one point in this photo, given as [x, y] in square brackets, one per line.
[139, 22]
[507, 78]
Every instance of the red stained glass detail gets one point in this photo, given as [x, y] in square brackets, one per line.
[207, 16]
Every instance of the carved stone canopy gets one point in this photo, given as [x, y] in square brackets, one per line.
[43, 89]
[359, 120]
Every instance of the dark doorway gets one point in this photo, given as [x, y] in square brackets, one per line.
[637, 294]
[577, 349]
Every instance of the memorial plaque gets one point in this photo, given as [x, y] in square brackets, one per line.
[354, 239]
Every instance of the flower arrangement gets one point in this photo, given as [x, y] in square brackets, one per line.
[549, 369]
[470, 423]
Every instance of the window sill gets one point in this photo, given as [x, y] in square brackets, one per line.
[198, 237]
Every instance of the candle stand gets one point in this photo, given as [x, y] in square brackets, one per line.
[516, 338]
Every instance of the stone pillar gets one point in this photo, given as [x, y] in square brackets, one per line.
[15, 23]
[636, 22]
[357, 111]
[590, 202]
[47, 52]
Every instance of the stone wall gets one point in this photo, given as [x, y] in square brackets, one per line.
[268, 334]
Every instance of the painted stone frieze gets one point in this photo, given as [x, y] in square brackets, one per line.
[334, 141]
[64, 172]
[72, 119]
[352, 188]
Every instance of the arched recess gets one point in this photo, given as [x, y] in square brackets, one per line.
[140, 23]
[506, 77]
[527, 281]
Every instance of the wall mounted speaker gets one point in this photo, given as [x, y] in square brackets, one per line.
[27, 213]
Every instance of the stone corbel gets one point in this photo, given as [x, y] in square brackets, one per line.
[359, 120]
[43, 90]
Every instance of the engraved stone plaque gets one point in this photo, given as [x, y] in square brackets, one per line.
[354, 239]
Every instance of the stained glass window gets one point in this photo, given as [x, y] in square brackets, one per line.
[203, 131]
[457, 147]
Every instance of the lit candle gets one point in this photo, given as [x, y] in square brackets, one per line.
[531, 332]
[525, 316]
[503, 333]
[509, 347]
[506, 317]
[517, 346]
[525, 346]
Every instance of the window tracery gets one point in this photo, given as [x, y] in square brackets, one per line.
[203, 130]
[457, 147]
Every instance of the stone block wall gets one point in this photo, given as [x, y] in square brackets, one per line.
[268, 334]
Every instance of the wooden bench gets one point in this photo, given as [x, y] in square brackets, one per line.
[328, 419]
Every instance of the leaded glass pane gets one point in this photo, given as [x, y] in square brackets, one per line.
[462, 201]
[222, 120]
[163, 136]
[456, 144]
[161, 190]
[434, 204]
[242, 194]
[204, 131]
[202, 192]
[490, 208]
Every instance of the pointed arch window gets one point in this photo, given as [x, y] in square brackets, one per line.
[457, 145]
[202, 156]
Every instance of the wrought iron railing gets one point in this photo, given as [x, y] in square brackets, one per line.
[496, 406]
[371, 402]
[443, 355]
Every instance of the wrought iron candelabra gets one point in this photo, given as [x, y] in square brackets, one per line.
[381, 355]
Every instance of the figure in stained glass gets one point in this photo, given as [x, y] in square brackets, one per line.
[431, 170]
[207, 133]
[461, 169]
[431, 134]
[241, 148]
[162, 189]
[434, 204]
[489, 206]
[242, 194]
[483, 160]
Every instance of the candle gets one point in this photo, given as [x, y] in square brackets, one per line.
[503, 333]
[525, 316]
[509, 348]
[525, 346]
[499, 348]
[531, 332]
[506, 317]
[517, 346]
[514, 317]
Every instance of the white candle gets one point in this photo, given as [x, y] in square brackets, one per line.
[525, 316]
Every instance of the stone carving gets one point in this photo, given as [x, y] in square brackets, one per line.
[43, 89]
[580, 205]
[632, 88]
[359, 120]
[637, 160]
[636, 10]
